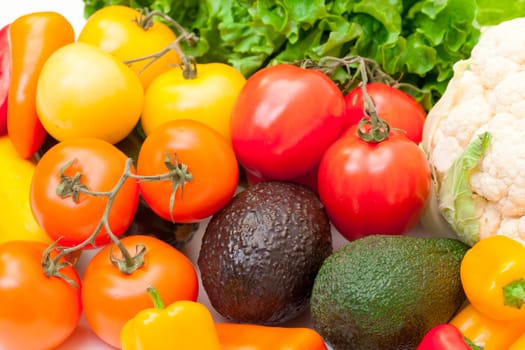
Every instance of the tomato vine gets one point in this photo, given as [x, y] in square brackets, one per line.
[71, 186]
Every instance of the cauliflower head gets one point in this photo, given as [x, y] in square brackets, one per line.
[474, 138]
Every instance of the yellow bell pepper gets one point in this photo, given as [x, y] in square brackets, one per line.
[182, 325]
[493, 277]
[17, 221]
[519, 344]
[485, 332]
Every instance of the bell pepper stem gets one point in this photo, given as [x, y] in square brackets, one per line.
[514, 293]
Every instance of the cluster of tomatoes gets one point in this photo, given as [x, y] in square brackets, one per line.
[200, 123]
[295, 124]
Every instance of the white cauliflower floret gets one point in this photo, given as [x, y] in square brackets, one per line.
[474, 138]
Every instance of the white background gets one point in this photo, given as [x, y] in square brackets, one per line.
[83, 338]
[73, 10]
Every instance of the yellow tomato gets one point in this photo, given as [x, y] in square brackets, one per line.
[17, 221]
[83, 91]
[208, 98]
[117, 29]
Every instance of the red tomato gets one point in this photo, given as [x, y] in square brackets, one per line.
[36, 311]
[101, 166]
[210, 160]
[309, 180]
[373, 188]
[397, 108]
[111, 297]
[284, 120]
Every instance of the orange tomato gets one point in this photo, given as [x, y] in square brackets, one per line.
[111, 297]
[117, 30]
[99, 166]
[205, 154]
[36, 311]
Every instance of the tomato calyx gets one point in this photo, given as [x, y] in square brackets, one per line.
[70, 186]
[188, 63]
[180, 175]
[371, 128]
[128, 263]
[52, 266]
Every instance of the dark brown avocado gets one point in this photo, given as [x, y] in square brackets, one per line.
[260, 253]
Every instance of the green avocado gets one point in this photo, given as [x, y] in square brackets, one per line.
[260, 254]
[386, 292]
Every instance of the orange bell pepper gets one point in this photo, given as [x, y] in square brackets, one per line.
[485, 332]
[235, 336]
[33, 38]
[493, 277]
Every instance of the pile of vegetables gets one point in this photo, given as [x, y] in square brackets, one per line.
[198, 96]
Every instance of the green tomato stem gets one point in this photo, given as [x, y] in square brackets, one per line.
[188, 65]
[371, 128]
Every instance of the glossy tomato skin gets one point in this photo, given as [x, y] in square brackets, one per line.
[115, 29]
[101, 165]
[373, 188]
[397, 108]
[105, 105]
[111, 298]
[36, 311]
[284, 120]
[210, 160]
[207, 98]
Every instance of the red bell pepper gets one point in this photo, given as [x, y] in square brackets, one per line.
[444, 337]
[5, 76]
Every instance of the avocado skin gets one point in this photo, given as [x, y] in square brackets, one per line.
[386, 292]
[260, 254]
